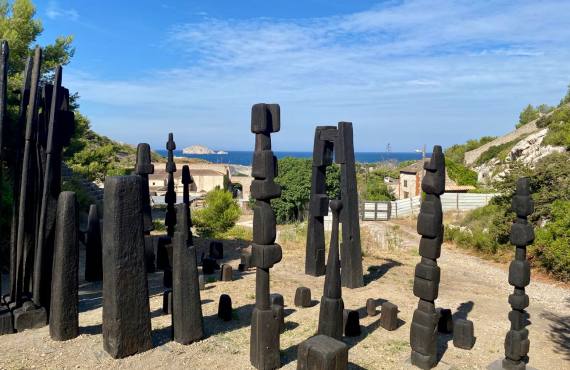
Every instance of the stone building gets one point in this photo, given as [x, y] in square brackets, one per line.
[207, 176]
[409, 183]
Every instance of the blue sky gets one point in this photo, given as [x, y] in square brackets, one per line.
[404, 72]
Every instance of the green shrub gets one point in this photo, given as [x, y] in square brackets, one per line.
[497, 151]
[460, 174]
[219, 214]
[456, 153]
[551, 248]
[83, 198]
[237, 233]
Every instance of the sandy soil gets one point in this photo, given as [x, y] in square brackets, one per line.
[471, 287]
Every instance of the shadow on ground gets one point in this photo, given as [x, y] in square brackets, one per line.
[559, 332]
[377, 271]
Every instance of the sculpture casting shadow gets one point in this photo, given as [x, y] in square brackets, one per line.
[560, 332]
[443, 339]
[375, 272]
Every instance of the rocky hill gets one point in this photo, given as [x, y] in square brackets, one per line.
[548, 134]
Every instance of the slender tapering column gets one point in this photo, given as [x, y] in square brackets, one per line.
[350, 249]
[4, 53]
[64, 312]
[26, 235]
[143, 168]
[187, 321]
[265, 322]
[56, 138]
[17, 178]
[170, 197]
[319, 202]
[332, 305]
[187, 180]
[522, 234]
[423, 333]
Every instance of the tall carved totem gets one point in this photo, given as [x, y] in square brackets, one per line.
[264, 345]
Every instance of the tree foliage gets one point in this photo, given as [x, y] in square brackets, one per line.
[219, 214]
[460, 174]
[456, 153]
[528, 114]
[295, 180]
[374, 188]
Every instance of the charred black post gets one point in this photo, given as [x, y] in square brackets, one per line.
[64, 312]
[60, 128]
[27, 217]
[170, 197]
[187, 321]
[265, 324]
[126, 313]
[423, 333]
[6, 320]
[143, 168]
[93, 247]
[16, 176]
[517, 343]
[339, 139]
[319, 202]
[187, 180]
[332, 305]
[350, 249]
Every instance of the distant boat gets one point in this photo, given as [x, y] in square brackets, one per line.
[221, 152]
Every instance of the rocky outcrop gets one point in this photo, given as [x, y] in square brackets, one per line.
[198, 149]
[528, 151]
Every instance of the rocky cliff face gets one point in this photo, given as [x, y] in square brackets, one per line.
[528, 150]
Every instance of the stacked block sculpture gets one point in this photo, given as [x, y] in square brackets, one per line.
[522, 234]
[265, 324]
[423, 332]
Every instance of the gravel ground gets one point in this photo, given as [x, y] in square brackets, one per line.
[470, 286]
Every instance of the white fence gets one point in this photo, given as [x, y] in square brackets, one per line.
[411, 206]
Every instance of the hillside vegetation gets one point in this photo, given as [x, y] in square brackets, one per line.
[487, 229]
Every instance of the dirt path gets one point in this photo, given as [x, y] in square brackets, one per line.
[471, 287]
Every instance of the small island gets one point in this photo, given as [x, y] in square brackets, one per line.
[200, 149]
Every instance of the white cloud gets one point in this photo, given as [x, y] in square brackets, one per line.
[55, 11]
[464, 68]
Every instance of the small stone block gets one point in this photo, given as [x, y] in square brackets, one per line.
[463, 334]
[226, 273]
[277, 298]
[167, 301]
[389, 316]
[352, 323]
[209, 266]
[241, 267]
[518, 301]
[371, 307]
[265, 189]
[216, 250]
[431, 247]
[303, 297]
[322, 353]
[29, 317]
[445, 323]
[225, 307]
[246, 260]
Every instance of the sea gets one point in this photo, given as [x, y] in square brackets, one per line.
[244, 157]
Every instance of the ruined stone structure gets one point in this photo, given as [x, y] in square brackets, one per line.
[264, 344]
[64, 312]
[522, 234]
[126, 313]
[332, 305]
[423, 332]
[339, 139]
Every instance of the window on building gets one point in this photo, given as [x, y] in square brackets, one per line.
[406, 194]
[405, 183]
